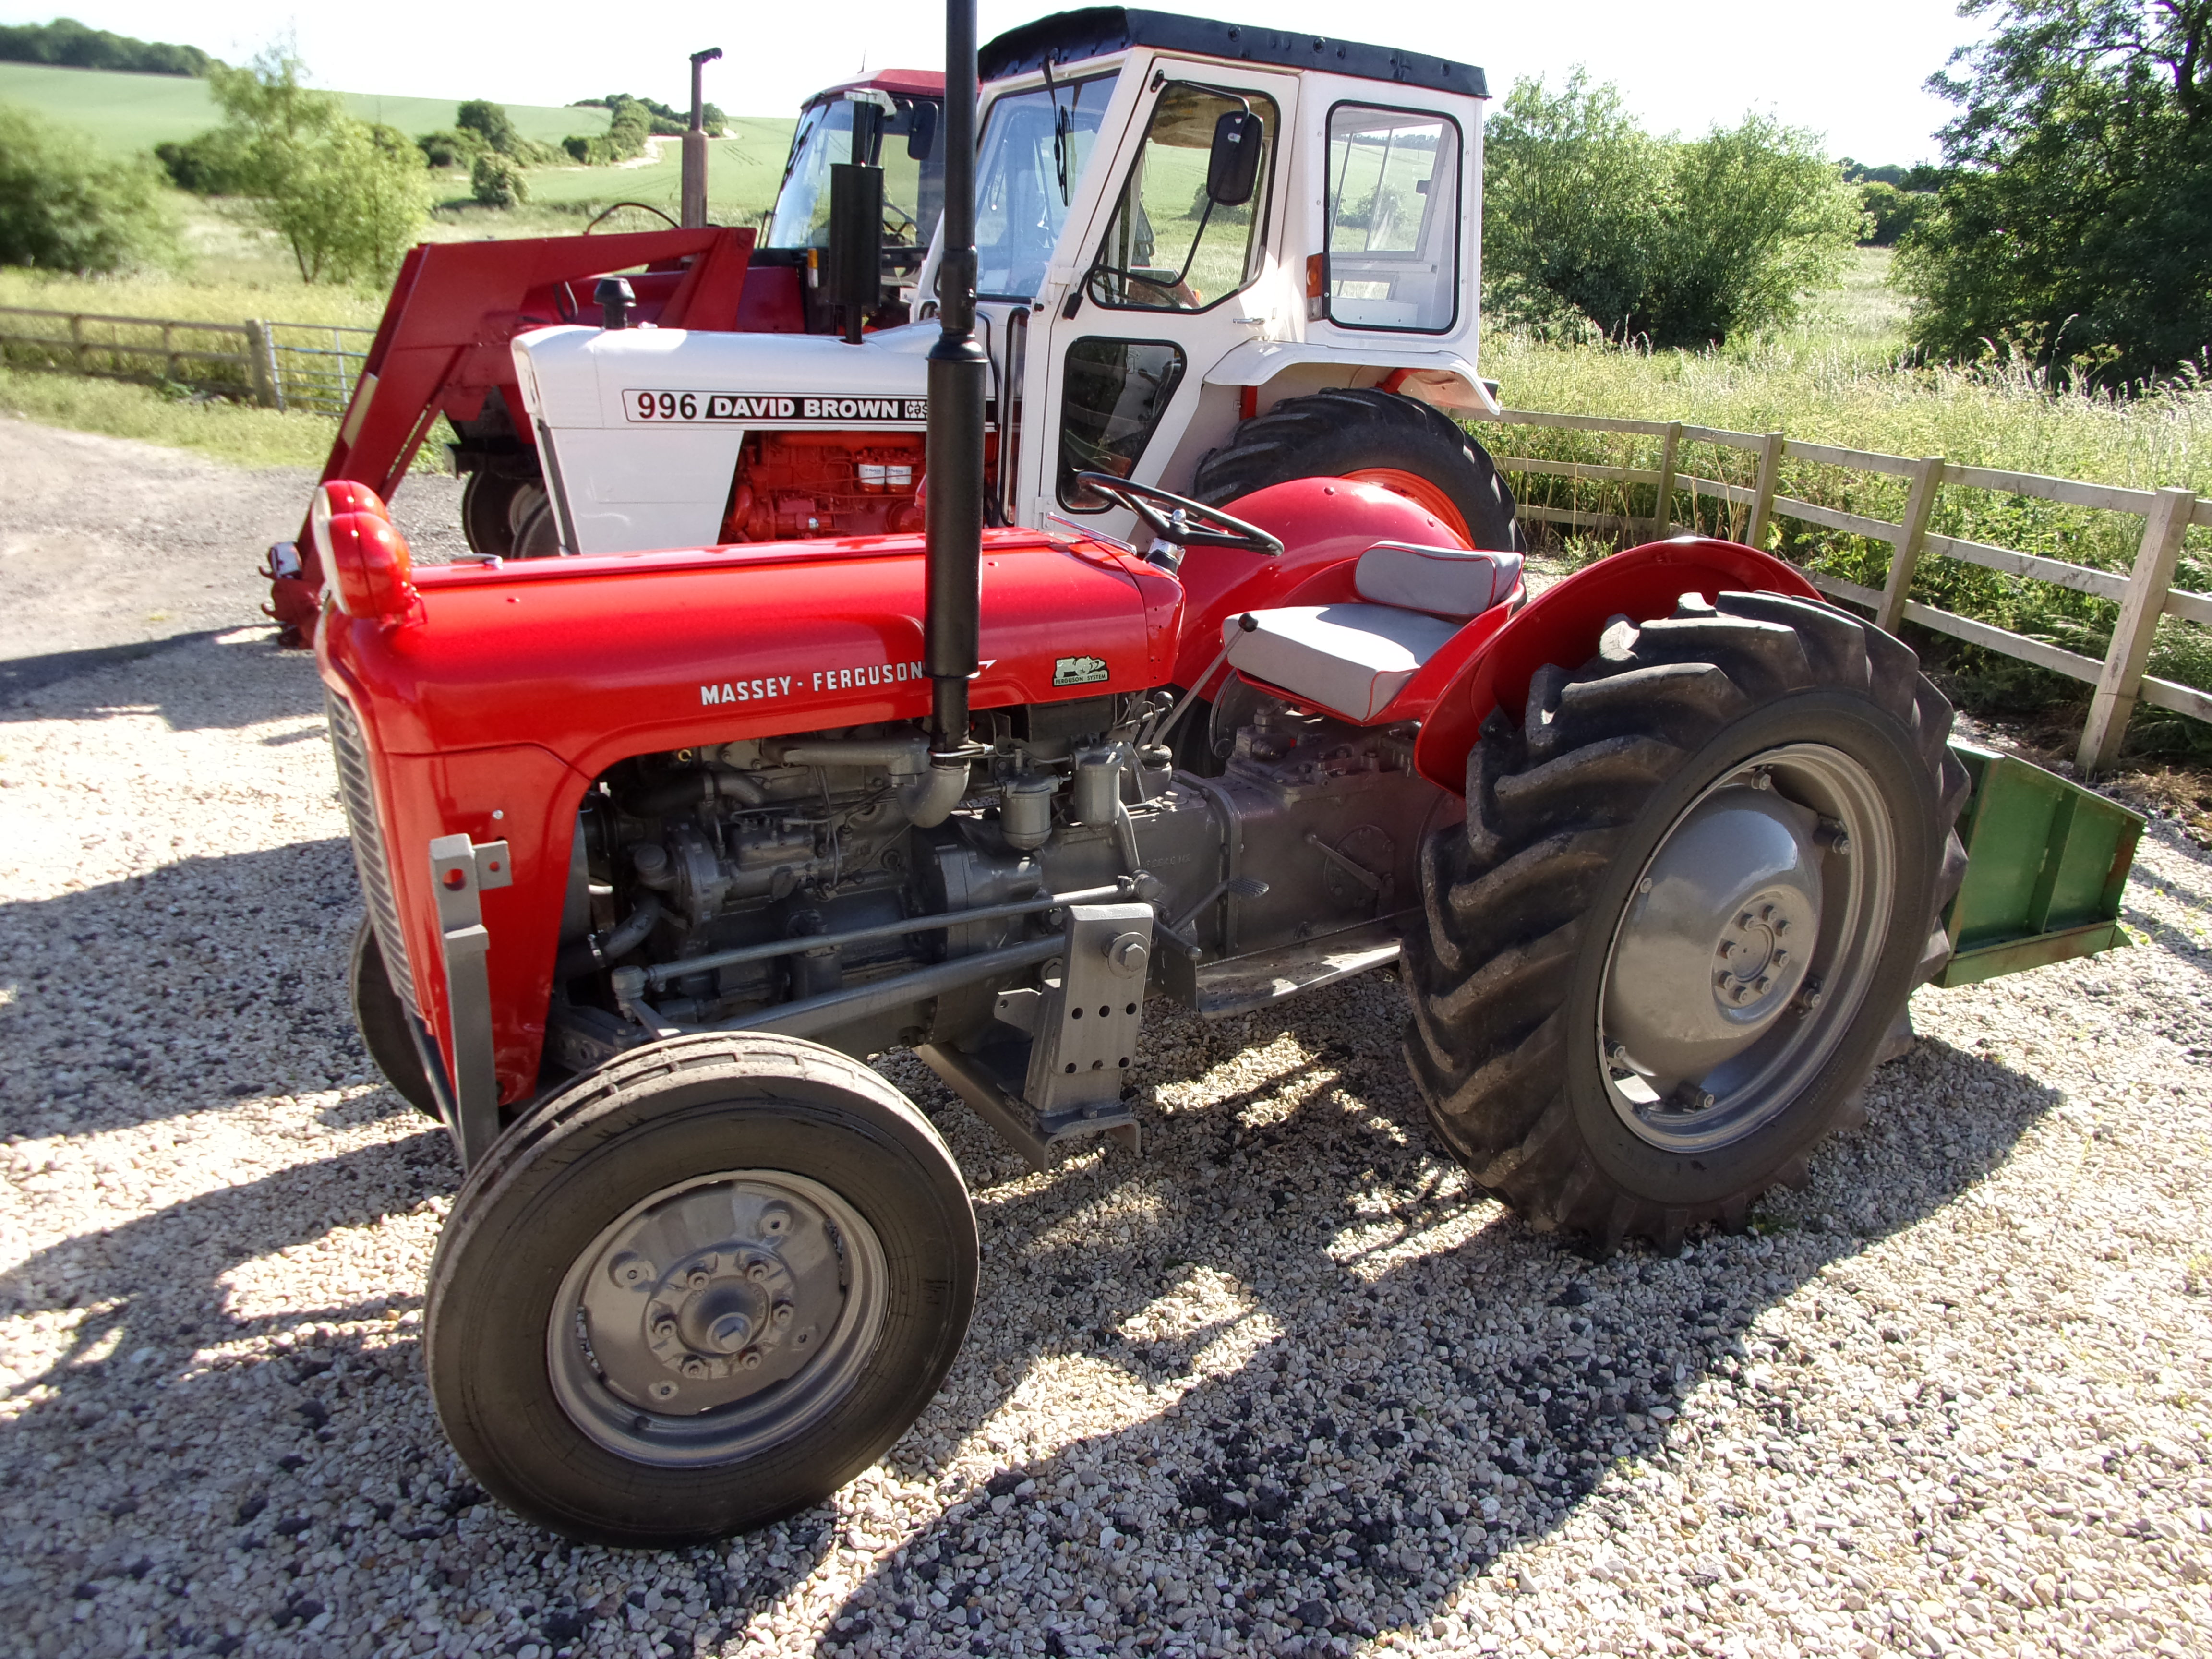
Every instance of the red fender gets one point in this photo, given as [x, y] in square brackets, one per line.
[1562, 626]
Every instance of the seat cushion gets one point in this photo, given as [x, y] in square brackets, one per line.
[1444, 581]
[1349, 658]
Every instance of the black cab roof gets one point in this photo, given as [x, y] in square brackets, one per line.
[1069, 37]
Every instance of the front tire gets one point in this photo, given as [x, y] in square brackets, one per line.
[704, 1287]
[382, 1020]
[1377, 437]
[1693, 889]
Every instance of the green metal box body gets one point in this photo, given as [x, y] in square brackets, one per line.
[2046, 861]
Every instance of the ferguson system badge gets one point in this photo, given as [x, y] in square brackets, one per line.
[1078, 671]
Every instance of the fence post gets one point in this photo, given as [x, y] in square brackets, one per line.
[1663, 517]
[1770, 474]
[260, 364]
[1911, 537]
[2164, 525]
[76, 341]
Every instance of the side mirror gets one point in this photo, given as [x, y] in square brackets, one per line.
[921, 132]
[1232, 170]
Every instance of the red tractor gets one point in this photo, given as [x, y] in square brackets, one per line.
[443, 346]
[657, 848]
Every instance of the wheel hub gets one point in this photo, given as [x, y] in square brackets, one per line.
[1751, 939]
[1710, 953]
[705, 1301]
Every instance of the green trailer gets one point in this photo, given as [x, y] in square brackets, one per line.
[2046, 862]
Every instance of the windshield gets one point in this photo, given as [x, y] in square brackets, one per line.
[1035, 145]
[913, 188]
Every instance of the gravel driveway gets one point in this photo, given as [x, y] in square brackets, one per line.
[1285, 1384]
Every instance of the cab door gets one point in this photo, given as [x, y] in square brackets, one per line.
[1165, 287]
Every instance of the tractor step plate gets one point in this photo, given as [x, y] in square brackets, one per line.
[2046, 861]
[1243, 983]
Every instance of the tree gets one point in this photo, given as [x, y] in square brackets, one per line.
[2073, 219]
[1686, 244]
[497, 182]
[347, 197]
[69, 42]
[64, 206]
[490, 122]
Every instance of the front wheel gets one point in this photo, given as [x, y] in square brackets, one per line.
[704, 1287]
[1694, 887]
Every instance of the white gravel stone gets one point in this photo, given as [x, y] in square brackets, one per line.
[1286, 1384]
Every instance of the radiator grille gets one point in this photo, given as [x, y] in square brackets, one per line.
[358, 791]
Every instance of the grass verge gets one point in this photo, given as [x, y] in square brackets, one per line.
[236, 433]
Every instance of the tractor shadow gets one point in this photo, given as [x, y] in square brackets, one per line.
[213, 679]
[128, 1002]
[1393, 1383]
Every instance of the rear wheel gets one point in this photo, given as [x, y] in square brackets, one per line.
[1376, 437]
[703, 1288]
[535, 532]
[1694, 888]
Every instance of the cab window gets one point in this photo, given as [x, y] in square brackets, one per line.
[1393, 219]
[1170, 247]
[1113, 394]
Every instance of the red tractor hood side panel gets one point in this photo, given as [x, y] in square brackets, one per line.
[601, 658]
[490, 714]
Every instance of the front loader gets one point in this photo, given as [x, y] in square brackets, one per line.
[657, 848]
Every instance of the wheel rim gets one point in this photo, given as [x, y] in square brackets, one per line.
[1714, 1013]
[717, 1318]
[1422, 493]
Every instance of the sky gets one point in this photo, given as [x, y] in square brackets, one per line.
[1852, 73]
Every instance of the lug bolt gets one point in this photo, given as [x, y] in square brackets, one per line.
[1746, 920]
[663, 1390]
[758, 1273]
[629, 1270]
[698, 1278]
[1764, 984]
[664, 1330]
[751, 1359]
[1761, 779]
[1812, 995]
[693, 1367]
[1704, 1099]
[783, 1315]
[1781, 924]
[1766, 913]
[1722, 979]
[1781, 957]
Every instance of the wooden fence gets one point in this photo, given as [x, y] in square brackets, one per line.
[2144, 595]
[299, 366]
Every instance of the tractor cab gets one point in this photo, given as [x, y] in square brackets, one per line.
[891, 121]
[1185, 229]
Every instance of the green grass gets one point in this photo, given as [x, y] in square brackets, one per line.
[227, 432]
[130, 112]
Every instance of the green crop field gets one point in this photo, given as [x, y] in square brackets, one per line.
[127, 112]
[743, 174]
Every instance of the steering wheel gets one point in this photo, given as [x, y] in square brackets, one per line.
[906, 220]
[1186, 523]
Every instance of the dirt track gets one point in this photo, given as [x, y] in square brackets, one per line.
[1285, 1384]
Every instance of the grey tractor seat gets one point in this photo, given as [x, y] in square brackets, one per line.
[1352, 659]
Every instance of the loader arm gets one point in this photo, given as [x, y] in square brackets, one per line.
[442, 347]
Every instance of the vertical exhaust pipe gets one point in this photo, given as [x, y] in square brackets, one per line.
[694, 209]
[959, 378]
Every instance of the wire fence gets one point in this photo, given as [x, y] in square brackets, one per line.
[288, 366]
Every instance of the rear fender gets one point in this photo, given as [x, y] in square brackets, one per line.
[1563, 624]
[1324, 524]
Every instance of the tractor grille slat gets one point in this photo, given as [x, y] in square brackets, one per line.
[358, 790]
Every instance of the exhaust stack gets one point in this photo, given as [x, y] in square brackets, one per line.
[959, 378]
[695, 147]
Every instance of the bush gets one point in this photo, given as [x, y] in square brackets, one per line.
[63, 206]
[451, 147]
[497, 182]
[578, 149]
[1891, 212]
[211, 164]
[1684, 244]
[346, 197]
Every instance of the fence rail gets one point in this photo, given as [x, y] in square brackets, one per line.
[303, 366]
[2144, 594]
